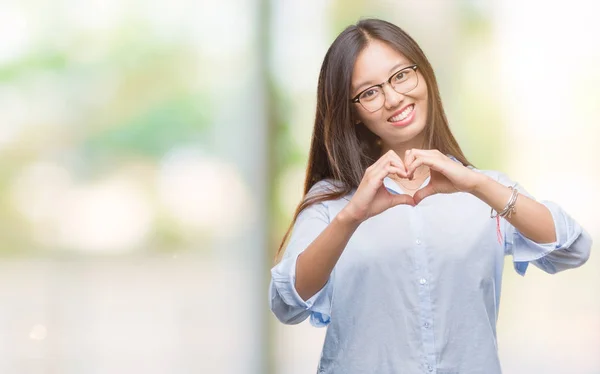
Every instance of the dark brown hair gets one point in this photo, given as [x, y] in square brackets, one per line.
[341, 150]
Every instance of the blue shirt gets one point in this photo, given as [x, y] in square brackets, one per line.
[417, 289]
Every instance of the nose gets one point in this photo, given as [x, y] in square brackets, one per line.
[392, 97]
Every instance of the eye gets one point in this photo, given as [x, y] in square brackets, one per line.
[400, 76]
[369, 94]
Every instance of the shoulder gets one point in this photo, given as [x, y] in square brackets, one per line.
[325, 186]
[331, 205]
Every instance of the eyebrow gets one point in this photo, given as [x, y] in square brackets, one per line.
[370, 83]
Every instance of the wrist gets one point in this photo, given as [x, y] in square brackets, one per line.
[347, 217]
[481, 182]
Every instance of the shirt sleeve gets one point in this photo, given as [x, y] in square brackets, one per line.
[570, 250]
[285, 302]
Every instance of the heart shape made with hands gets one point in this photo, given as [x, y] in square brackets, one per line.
[446, 175]
[413, 193]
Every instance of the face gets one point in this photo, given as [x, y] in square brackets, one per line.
[402, 118]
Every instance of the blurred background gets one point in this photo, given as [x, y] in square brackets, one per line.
[152, 154]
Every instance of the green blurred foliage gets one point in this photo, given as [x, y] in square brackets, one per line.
[130, 99]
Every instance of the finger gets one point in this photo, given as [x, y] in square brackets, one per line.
[423, 193]
[389, 169]
[383, 163]
[415, 153]
[383, 160]
[393, 157]
[392, 153]
[399, 165]
[409, 157]
[376, 176]
[403, 199]
[421, 160]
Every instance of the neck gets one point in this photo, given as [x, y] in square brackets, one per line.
[417, 142]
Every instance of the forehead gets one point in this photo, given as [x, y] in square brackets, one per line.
[375, 62]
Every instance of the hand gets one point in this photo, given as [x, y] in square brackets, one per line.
[371, 197]
[447, 176]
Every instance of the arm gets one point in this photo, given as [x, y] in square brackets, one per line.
[302, 282]
[532, 218]
[315, 264]
[539, 232]
[370, 199]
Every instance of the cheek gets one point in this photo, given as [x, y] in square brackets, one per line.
[423, 92]
[423, 98]
[373, 120]
[366, 117]
[361, 115]
[422, 89]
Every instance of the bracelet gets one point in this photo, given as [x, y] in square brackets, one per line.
[509, 209]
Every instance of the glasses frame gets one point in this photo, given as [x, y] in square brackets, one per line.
[356, 99]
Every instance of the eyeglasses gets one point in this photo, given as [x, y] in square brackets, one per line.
[402, 81]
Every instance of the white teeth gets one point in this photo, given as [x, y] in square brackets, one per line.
[403, 115]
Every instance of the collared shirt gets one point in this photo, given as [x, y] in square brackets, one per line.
[417, 289]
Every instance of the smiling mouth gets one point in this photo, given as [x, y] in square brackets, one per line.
[402, 115]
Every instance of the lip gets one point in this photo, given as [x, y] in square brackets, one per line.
[405, 121]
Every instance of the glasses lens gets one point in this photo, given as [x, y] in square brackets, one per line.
[372, 99]
[404, 81]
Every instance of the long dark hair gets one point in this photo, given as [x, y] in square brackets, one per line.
[341, 150]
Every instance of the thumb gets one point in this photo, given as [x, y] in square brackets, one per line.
[403, 199]
[423, 193]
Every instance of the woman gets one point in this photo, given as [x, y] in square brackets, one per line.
[399, 244]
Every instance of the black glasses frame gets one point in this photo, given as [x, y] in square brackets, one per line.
[414, 67]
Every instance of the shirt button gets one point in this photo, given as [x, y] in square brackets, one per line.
[429, 368]
[422, 280]
[426, 324]
[418, 241]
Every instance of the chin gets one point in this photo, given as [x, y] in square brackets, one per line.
[413, 132]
